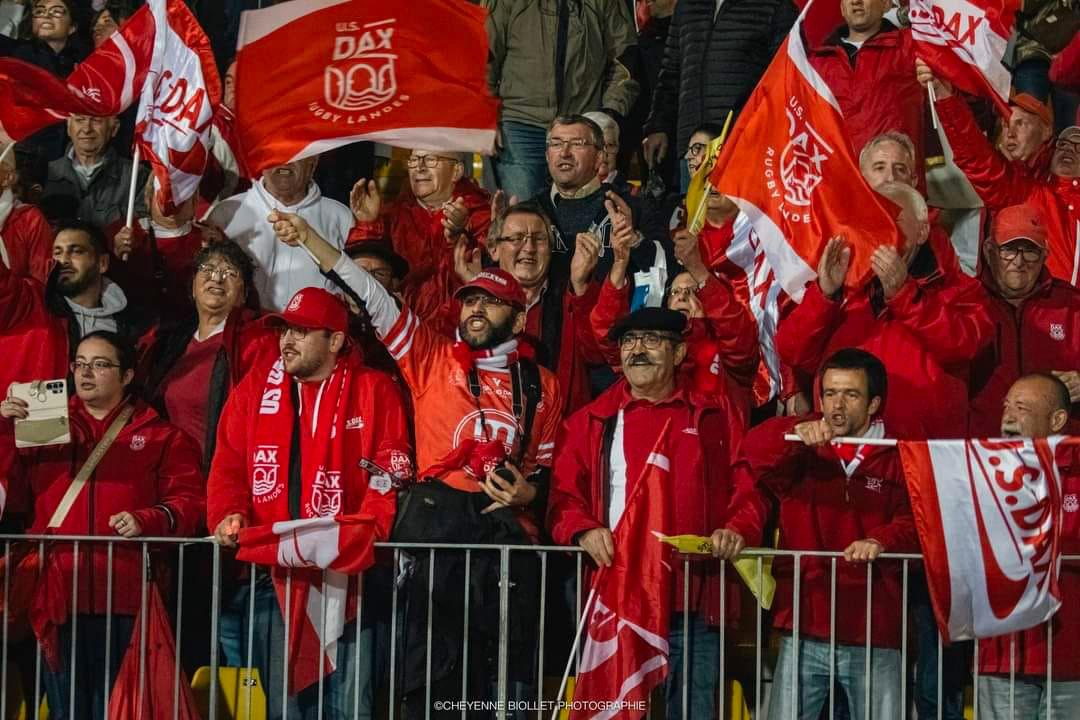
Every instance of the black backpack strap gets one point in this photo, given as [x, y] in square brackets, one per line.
[527, 385]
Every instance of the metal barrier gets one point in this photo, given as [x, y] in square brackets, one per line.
[387, 618]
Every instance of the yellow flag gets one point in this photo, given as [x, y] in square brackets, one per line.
[698, 191]
[763, 587]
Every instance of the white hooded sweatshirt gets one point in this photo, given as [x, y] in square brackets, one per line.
[113, 301]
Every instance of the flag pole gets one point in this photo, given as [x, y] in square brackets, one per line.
[933, 99]
[131, 193]
[7, 151]
[577, 640]
[883, 442]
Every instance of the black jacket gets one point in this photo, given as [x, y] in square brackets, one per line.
[712, 64]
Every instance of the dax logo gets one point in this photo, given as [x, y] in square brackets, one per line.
[1071, 503]
[264, 471]
[138, 442]
[801, 161]
[326, 493]
[1057, 331]
[294, 304]
[361, 74]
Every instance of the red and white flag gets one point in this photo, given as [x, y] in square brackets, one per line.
[790, 168]
[177, 103]
[625, 654]
[312, 75]
[988, 514]
[964, 42]
[342, 546]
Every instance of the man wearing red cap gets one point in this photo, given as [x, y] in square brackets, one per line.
[290, 442]
[1036, 317]
[1026, 133]
[485, 421]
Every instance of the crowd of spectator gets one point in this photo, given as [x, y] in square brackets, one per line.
[505, 348]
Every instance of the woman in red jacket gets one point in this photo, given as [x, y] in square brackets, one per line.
[147, 484]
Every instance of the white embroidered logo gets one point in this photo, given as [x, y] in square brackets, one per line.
[138, 442]
[1072, 503]
[1057, 331]
[264, 473]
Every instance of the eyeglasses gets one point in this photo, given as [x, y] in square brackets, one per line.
[696, 149]
[429, 161]
[650, 340]
[1008, 253]
[681, 293]
[297, 332]
[557, 144]
[481, 300]
[97, 366]
[519, 239]
[56, 11]
[219, 273]
[1072, 146]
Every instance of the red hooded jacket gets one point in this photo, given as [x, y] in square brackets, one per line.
[700, 451]
[28, 240]
[823, 509]
[926, 335]
[151, 470]
[416, 234]
[1041, 335]
[1001, 183]
[1031, 645]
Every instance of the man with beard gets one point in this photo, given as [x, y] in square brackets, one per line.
[485, 421]
[282, 270]
[42, 324]
[602, 450]
[292, 438]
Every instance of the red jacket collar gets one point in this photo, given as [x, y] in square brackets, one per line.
[618, 396]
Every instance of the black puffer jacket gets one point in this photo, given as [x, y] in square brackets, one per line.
[711, 65]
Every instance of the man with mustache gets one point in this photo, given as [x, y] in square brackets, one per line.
[602, 450]
[1037, 406]
[849, 498]
[485, 422]
[282, 270]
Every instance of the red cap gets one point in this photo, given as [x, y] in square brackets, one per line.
[1033, 105]
[315, 308]
[1019, 221]
[498, 283]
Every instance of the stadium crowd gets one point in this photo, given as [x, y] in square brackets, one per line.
[503, 346]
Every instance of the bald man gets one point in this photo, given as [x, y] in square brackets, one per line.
[1036, 406]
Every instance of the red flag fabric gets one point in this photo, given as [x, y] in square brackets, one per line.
[625, 653]
[176, 107]
[964, 41]
[153, 697]
[988, 514]
[790, 168]
[342, 546]
[312, 75]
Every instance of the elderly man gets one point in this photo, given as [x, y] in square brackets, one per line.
[557, 306]
[91, 182]
[548, 58]
[925, 320]
[1036, 316]
[602, 450]
[488, 445]
[25, 235]
[1013, 668]
[281, 271]
[292, 437]
[840, 498]
[1001, 183]
[579, 202]
[441, 206]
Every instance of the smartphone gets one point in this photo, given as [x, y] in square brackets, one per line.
[47, 420]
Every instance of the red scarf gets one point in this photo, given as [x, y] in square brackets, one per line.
[322, 459]
[499, 357]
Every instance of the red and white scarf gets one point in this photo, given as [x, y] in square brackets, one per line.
[500, 357]
[322, 495]
[851, 456]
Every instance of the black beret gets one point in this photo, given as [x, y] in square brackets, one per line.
[399, 266]
[649, 318]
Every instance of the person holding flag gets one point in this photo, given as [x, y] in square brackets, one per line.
[290, 444]
[605, 446]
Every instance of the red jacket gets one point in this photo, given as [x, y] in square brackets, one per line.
[725, 339]
[926, 335]
[877, 92]
[1001, 183]
[28, 240]
[375, 400]
[1031, 644]
[151, 471]
[1041, 335]
[701, 455]
[417, 235]
[1065, 68]
[822, 509]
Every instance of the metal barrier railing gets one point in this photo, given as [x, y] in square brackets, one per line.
[380, 646]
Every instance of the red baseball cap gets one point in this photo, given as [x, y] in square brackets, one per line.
[1019, 222]
[315, 308]
[497, 283]
[1033, 105]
